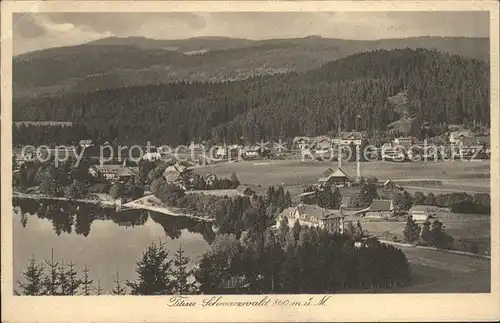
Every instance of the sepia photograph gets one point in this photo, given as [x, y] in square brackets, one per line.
[261, 153]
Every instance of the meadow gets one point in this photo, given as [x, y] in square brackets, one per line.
[435, 177]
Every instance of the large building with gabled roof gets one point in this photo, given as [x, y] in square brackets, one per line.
[337, 177]
[378, 209]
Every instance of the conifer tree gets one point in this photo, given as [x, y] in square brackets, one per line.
[283, 229]
[412, 230]
[98, 288]
[33, 279]
[63, 279]
[51, 281]
[182, 276]
[425, 233]
[296, 230]
[74, 282]
[86, 282]
[336, 199]
[154, 271]
[119, 289]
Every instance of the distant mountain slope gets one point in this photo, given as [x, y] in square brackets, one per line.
[439, 89]
[118, 62]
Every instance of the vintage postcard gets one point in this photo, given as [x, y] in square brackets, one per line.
[250, 161]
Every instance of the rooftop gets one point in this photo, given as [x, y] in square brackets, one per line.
[124, 171]
[315, 212]
[351, 135]
[381, 205]
[338, 173]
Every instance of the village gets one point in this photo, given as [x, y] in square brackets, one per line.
[125, 183]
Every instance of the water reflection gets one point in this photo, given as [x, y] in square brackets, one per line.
[116, 243]
[77, 217]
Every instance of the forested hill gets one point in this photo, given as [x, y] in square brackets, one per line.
[441, 88]
[118, 62]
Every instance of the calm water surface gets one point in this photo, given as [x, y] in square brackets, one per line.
[104, 240]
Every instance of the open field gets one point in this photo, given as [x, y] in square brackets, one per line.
[441, 272]
[435, 271]
[455, 176]
[462, 227]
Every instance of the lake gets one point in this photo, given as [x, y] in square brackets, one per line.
[103, 239]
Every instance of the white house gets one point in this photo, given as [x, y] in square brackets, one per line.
[348, 138]
[151, 156]
[220, 152]
[421, 213]
[456, 137]
[313, 216]
[403, 141]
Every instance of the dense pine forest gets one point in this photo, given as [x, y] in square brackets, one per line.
[441, 89]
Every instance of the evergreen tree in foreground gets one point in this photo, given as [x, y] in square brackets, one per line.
[51, 281]
[33, 279]
[98, 289]
[86, 282]
[119, 288]
[154, 270]
[63, 279]
[74, 282]
[181, 275]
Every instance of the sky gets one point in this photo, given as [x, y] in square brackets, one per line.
[35, 31]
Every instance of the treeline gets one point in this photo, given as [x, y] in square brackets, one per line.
[65, 180]
[72, 180]
[441, 88]
[299, 260]
[53, 135]
[403, 200]
[457, 202]
[326, 197]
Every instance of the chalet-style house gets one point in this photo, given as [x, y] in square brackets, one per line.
[29, 155]
[196, 147]
[337, 178]
[124, 174]
[388, 152]
[456, 137]
[113, 173]
[252, 152]
[378, 209]
[348, 138]
[421, 213]
[313, 216]
[403, 141]
[151, 156]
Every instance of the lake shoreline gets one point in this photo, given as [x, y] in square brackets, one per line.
[145, 204]
[101, 203]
